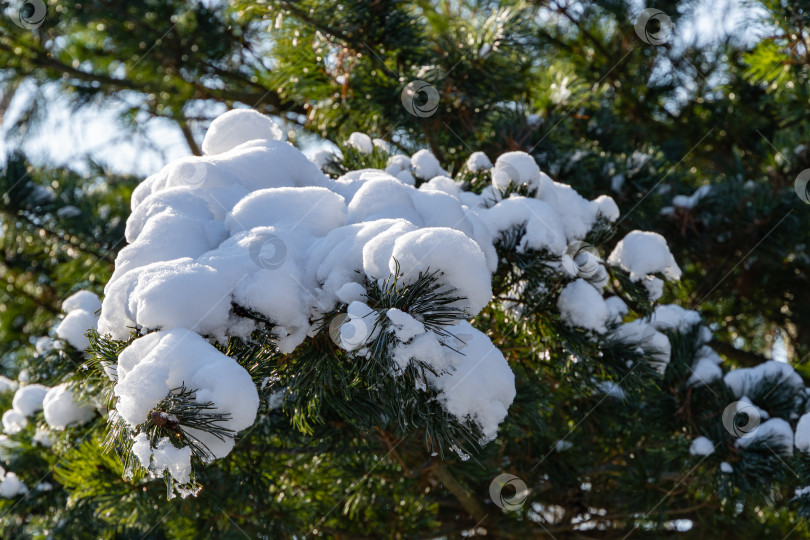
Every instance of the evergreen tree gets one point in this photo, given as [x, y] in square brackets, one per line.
[608, 438]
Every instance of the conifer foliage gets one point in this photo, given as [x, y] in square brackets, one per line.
[392, 354]
[399, 336]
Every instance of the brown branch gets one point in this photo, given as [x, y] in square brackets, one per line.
[470, 504]
[744, 358]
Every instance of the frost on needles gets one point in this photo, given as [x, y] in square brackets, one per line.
[253, 280]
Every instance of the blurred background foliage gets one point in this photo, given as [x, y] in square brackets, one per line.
[570, 82]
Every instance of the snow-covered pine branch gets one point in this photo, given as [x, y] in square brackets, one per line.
[255, 284]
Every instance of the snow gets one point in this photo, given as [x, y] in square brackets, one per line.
[617, 309]
[7, 448]
[44, 345]
[11, 486]
[42, 437]
[28, 399]
[238, 126]
[86, 300]
[562, 446]
[701, 446]
[516, 168]
[361, 142]
[323, 157]
[425, 165]
[350, 292]
[478, 161]
[648, 340]
[461, 262]
[706, 367]
[176, 460]
[654, 286]
[255, 224]
[704, 372]
[405, 326]
[74, 327]
[13, 422]
[359, 328]
[80, 309]
[61, 410]
[611, 389]
[802, 440]
[399, 166]
[142, 450]
[643, 253]
[159, 362]
[69, 211]
[684, 201]
[743, 380]
[775, 433]
[606, 208]
[7, 385]
[616, 183]
[544, 229]
[674, 317]
[582, 306]
[474, 382]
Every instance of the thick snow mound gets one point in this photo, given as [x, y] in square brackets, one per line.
[237, 126]
[14, 422]
[74, 327]
[474, 382]
[28, 399]
[802, 440]
[86, 300]
[61, 410]
[643, 253]
[582, 305]
[254, 236]
[154, 365]
[461, 261]
[743, 380]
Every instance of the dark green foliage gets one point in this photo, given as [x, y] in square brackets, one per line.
[346, 449]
